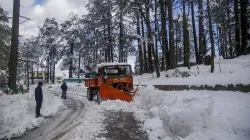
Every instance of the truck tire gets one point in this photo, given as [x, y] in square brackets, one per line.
[89, 94]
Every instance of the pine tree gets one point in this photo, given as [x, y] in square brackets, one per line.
[211, 36]
[172, 58]
[156, 44]
[194, 34]
[237, 28]
[202, 44]
[244, 26]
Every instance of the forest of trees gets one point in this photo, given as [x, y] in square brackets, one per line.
[161, 33]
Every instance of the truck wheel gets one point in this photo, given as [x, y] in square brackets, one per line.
[89, 95]
[98, 97]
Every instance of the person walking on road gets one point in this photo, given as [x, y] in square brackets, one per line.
[64, 88]
[39, 98]
[21, 88]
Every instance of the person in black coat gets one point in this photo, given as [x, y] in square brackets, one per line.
[39, 98]
[64, 88]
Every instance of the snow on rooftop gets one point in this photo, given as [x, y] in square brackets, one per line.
[110, 64]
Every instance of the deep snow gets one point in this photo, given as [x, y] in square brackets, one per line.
[166, 115]
[174, 115]
[17, 112]
[195, 115]
[228, 71]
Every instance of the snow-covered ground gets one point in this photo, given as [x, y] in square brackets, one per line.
[228, 71]
[173, 115]
[195, 115]
[166, 115]
[17, 112]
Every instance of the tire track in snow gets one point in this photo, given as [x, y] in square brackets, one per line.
[61, 123]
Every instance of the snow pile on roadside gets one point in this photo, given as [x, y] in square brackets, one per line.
[228, 71]
[195, 115]
[118, 105]
[189, 115]
[17, 112]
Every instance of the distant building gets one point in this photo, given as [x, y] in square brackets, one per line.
[38, 76]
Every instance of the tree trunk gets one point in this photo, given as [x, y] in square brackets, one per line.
[79, 64]
[156, 46]
[194, 34]
[164, 45]
[48, 70]
[184, 34]
[149, 37]
[53, 64]
[229, 30]
[37, 70]
[219, 40]
[172, 60]
[225, 42]
[106, 48]
[201, 31]
[32, 73]
[244, 26]
[121, 54]
[109, 44]
[71, 60]
[237, 28]
[222, 45]
[14, 45]
[144, 48]
[28, 76]
[139, 45]
[186, 38]
[211, 36]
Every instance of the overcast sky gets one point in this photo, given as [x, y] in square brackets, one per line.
[38, 10]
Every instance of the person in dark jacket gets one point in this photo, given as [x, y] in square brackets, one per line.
[21, 88]
[64, 88]
[39, 98]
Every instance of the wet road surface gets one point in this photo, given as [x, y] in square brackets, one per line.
[119, 125]
[58, 125]
[123, 126]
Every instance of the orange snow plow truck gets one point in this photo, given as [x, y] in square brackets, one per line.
[111, 81]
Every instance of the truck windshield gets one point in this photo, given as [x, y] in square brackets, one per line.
[117, 70]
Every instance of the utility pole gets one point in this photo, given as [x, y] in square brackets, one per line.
[14, 45]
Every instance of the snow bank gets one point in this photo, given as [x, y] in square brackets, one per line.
[228, 71]
[189, 115]
[195, 115]
[17, 112]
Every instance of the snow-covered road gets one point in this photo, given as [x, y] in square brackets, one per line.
[168, 115]
[61, 123]
[85, 120]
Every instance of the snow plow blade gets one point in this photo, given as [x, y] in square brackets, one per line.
[110, 93]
